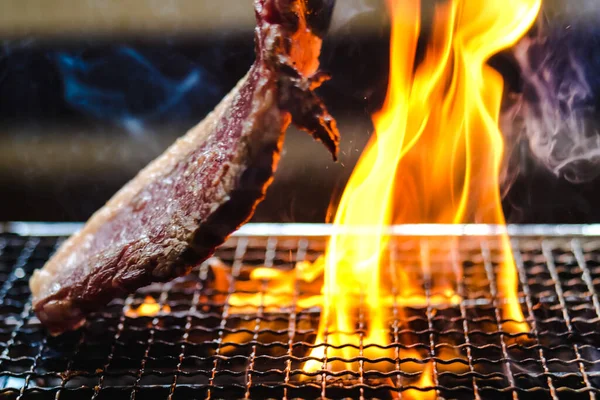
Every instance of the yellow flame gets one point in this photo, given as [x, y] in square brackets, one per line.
[425, 381]
[434, 158]
[148, 308]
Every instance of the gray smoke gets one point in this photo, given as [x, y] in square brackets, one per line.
[557, 110]
[361, 14]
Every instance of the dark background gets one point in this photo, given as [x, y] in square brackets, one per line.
[83, 108]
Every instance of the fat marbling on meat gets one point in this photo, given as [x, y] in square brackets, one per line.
[185, 203]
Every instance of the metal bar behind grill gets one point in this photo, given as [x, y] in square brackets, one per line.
[312, 230]
[205, 347]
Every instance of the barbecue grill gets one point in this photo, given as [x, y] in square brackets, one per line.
[198, 346]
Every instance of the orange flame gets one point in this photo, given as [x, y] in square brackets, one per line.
[148, 308]
[434, 158]
[425, 381]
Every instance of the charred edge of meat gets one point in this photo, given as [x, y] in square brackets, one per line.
[307, 109]
[298, 97]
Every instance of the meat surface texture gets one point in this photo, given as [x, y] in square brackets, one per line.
[185, 203]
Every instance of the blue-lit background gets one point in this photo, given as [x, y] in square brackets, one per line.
[89, 99]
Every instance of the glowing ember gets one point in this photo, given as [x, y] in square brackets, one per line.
[279, 286]
[148, 308]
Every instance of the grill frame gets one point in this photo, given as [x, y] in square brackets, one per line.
[23, 228]
[253, 385]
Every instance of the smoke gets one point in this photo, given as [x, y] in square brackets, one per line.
[348, 11]
[557, 110]
[126, 87]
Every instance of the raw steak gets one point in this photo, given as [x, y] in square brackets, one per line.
[185, 203]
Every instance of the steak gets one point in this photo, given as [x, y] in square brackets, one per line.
[185, 203]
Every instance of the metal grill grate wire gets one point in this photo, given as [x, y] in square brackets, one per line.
[189, 351]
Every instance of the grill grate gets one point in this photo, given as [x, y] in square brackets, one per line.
[199, 345]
